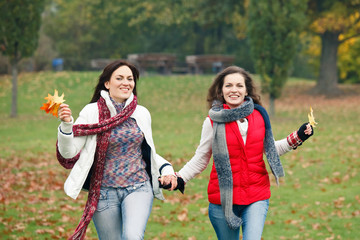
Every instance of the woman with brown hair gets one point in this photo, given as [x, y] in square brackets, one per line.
[237, 133]
[111, 152]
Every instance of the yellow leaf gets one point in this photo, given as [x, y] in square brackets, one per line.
[53, 103]
[55, 99]
[312, 118]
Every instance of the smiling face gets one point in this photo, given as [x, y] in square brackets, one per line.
[234, 90]
[121, 84]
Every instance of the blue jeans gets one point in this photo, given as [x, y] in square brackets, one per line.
[122, 213]
[253, 217]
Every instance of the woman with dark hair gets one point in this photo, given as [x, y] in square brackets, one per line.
[112, 155]
[237, 133]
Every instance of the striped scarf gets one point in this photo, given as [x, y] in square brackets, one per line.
[103, 131]
[221, 116]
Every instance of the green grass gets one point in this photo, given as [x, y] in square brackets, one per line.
[318, 198]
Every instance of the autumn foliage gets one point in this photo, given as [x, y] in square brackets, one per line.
[53, 103]
[311, 117]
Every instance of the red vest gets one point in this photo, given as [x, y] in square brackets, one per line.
[250, 177]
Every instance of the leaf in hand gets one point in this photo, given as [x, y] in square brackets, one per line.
[53, 103]
[312, 118]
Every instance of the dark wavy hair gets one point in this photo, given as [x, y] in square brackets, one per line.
[215, 90]
[106, 75]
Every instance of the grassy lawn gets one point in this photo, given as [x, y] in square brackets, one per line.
[318, 199]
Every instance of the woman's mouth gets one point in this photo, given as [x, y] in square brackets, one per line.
[234, 96]
[125, 89]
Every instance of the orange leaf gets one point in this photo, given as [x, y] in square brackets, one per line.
[45, 107]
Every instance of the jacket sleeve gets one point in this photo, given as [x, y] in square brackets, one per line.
[68, 145]
[165, 168]
[282, 146]
[201, 159]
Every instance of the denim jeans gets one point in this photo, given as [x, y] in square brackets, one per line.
[122, 213]
[253, 217]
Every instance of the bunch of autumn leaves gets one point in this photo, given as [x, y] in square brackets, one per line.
[53, 103]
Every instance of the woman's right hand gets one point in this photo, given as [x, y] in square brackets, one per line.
[64, 113]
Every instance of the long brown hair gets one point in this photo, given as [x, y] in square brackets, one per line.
[215, 90]
[106, 75]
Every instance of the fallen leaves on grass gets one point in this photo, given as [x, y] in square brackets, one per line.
[183, 215]
[32, 200]
[183, 199]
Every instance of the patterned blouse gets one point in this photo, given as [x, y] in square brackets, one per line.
[124, 165]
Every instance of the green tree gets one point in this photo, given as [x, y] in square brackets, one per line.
[335, 22]
[20, 23]
[349, 61]
[195, 27]
[89, 29]
[86, 29]
[273, 31]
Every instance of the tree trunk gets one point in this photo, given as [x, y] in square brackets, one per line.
[327, 83]
[14, 71]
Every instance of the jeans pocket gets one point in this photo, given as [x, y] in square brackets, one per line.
[103, 202]
[140, 187]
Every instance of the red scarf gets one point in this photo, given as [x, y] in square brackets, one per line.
[103, 131]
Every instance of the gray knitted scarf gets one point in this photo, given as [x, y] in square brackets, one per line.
[220, 116]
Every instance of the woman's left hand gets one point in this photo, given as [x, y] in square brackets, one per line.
[308, 129]
[167, 180]
[296, 138]
[305, 131]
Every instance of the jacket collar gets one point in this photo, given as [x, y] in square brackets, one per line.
[105, 94]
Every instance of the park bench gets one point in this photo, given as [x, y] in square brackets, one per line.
[161, 62]
[100, 63]
[198, 64]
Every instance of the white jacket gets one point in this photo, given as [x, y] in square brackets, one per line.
[69, 146]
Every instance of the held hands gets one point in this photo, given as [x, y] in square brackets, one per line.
[64, 113]
[168, 182]
[296, 138]
[171, 182]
